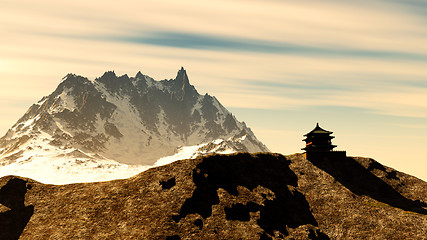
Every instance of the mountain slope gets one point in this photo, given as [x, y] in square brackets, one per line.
[249, 196]
[131, 120]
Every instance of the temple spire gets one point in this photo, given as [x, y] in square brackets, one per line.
[318, 143]
[318, 140]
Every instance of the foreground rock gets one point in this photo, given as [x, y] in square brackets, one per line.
[241, 196]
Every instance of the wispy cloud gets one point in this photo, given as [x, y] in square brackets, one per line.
[214, 42]
[284, 52]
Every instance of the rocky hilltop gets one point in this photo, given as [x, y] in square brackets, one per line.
[239, 196]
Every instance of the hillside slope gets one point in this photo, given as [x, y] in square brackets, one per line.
[239, 196]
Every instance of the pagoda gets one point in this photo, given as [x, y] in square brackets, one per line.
[318, 144]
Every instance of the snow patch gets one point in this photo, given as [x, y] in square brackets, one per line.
[69, 170]
[67, 99]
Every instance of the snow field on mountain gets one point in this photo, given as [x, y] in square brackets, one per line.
[47, 165]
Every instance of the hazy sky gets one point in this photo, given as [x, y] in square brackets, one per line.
[359, 68]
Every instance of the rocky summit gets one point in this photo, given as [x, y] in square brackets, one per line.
[112, 120]
[238, 196]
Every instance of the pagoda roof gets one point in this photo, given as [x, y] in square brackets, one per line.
[318, 130]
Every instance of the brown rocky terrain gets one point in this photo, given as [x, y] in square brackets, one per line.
[239, 196]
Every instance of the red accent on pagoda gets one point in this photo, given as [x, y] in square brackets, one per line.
[318, 140]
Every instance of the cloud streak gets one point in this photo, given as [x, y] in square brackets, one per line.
[211, 42]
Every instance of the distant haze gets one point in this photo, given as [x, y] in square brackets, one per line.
[356, 67]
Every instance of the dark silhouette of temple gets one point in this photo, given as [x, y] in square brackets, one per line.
[318, 144]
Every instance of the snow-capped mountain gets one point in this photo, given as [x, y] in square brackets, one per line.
[117, 120]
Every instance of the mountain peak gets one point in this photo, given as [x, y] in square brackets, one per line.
[109, 74]
[69, 75]
[182, 77]
[182, 86]
[71, 80]
[139, 75]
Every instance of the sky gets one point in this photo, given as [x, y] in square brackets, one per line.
[358, 68]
